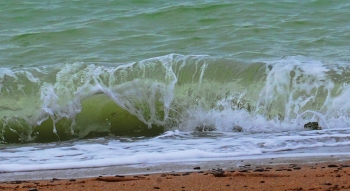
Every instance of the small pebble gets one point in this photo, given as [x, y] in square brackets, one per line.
[219, 174]
[17, 182]
[259, 170]
[262, 181]
[185, 174]
[332, 166]
[33, 189]
[72, 180]
[156, 187]
[197, 168]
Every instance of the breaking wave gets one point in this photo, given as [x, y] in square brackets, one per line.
[187, 93]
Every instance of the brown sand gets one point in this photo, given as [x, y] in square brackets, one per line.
[321, 176]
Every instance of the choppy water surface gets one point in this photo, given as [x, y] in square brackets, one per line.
[145, 82]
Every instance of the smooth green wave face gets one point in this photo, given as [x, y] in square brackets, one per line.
[76, 69]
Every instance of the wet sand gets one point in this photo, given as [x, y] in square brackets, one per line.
[311, 176]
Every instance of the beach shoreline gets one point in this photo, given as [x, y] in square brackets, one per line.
[311, 173]
[166, 167]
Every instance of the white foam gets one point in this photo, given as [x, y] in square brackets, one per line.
[173, 146]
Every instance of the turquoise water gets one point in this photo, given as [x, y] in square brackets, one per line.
[47, 33]
[186, 79]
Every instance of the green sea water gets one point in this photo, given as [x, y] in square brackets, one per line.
[94, 67]
[46, 33]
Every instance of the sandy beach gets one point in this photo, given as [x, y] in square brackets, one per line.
[311, 176]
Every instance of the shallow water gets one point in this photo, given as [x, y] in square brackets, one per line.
[173, 146]
[138, 82]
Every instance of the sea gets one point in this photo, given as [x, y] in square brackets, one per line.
[87, 84]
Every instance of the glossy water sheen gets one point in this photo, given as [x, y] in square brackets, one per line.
[265, 66]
